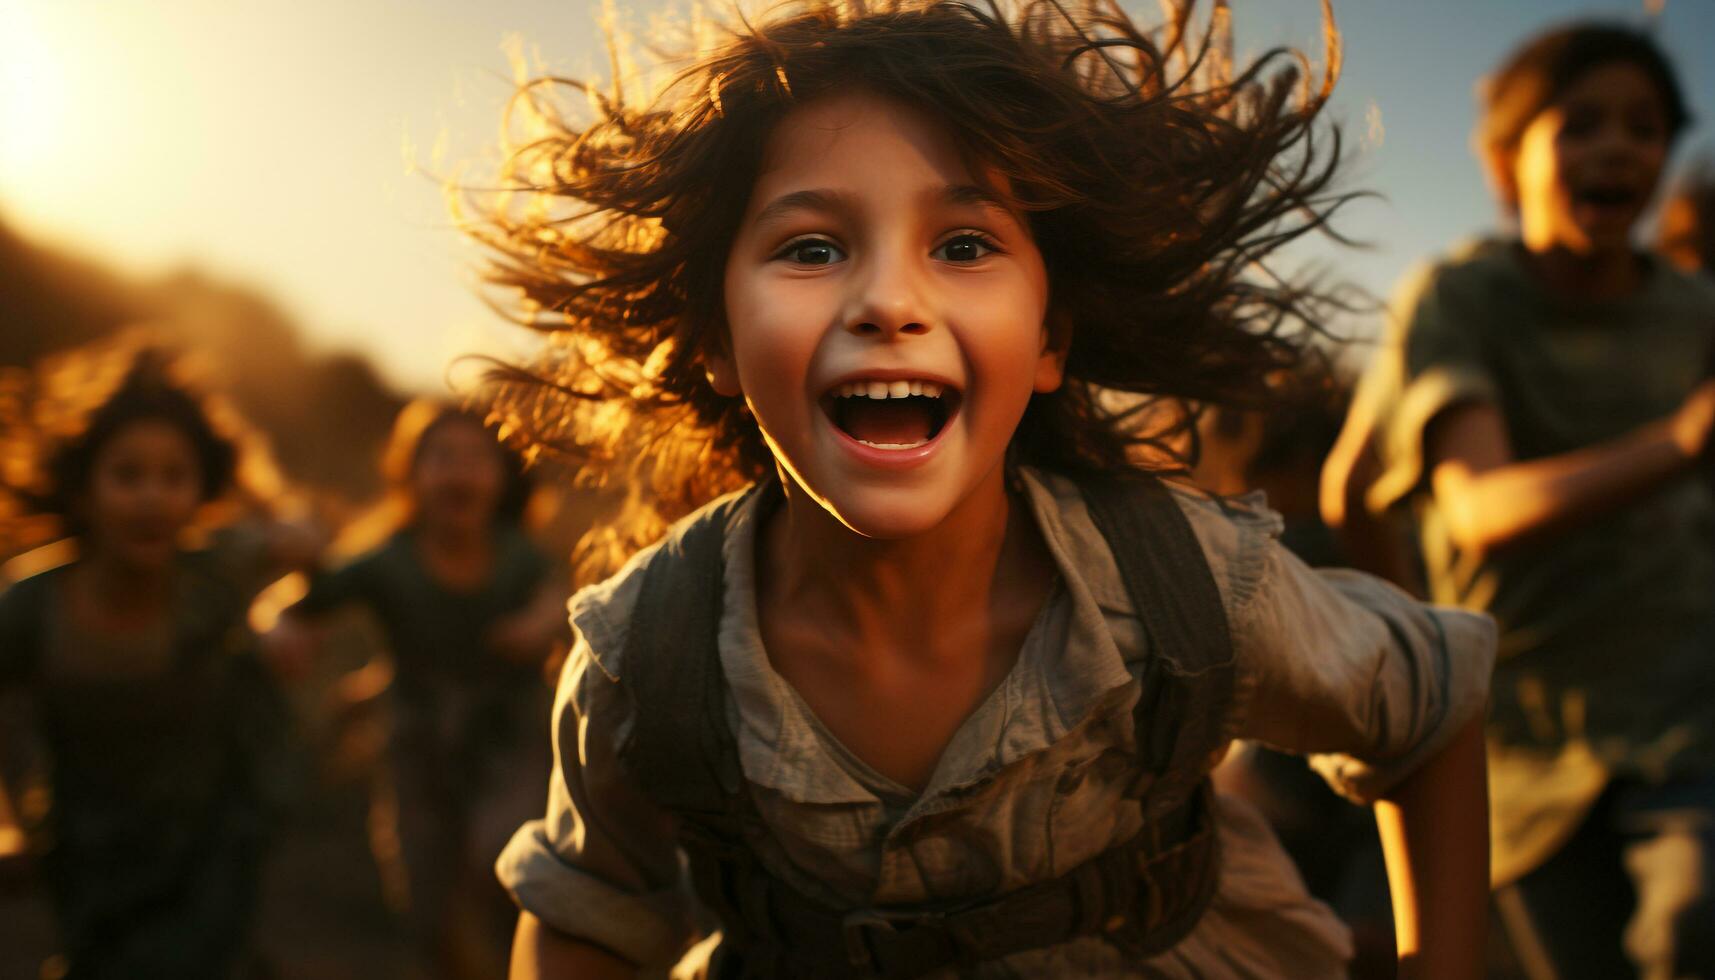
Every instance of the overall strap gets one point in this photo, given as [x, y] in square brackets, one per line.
[1188, 680]
[1142, 896]
[680, 749]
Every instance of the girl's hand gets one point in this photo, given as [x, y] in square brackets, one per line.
[290, 647]
[1691, 424]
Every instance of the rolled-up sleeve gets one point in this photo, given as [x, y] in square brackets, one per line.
[1346, 668]
[602, 865]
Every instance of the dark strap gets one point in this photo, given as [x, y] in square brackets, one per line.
[1143, 896]
[680, 748]
[1133, 895]
[1180, 718]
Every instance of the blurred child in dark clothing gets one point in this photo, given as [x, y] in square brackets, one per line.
[471, 610]
[139, 666]
[1543, 413]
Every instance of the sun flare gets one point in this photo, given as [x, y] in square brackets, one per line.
[32, 98]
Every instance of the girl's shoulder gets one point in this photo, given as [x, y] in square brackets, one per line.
[1692, 291]
[602, 613]
[1234, 534]
[24, 607]
[1477, 269]
[26, 592]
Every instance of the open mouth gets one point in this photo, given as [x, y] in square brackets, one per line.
[896, 415]
[1610, 196]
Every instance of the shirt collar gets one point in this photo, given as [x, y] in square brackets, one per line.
[1044, 697]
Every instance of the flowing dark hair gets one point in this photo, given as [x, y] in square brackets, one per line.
[1156, 179]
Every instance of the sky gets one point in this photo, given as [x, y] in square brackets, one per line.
[296, 146]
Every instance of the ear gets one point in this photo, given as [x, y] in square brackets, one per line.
[1498, 172]
[1051, 363]
[722, 372]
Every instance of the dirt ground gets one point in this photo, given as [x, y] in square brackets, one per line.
[322, 916]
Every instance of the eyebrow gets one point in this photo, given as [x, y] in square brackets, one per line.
[979, 196]
[837, 202]
[810, 200]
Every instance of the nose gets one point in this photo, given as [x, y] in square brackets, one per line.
[890, 298]
[1617, 140]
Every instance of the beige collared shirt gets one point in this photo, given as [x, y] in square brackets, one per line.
[1033, 783]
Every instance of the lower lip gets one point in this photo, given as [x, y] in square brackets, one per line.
[889, 459]
[1606, 212]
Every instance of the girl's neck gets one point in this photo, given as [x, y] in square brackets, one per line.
[903, 593]
[120, 593]
[454, 539]
[1599, 275]
[457, 555]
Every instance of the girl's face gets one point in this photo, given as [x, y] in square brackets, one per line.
[457, 477]
[885, 315]
[1587, 165]
[144, 489]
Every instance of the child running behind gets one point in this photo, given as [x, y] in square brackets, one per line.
[939, 692]
[1543, 410]
[471, 609]
[159, 720]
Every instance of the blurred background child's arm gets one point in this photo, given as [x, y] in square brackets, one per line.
[1492, 501]
[1370, 541]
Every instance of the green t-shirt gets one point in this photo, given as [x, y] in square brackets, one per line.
[1607, 630]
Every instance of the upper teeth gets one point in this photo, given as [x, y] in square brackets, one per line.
[887, 389]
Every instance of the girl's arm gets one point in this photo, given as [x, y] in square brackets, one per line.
[1492, 501]
[296, 639]
[1435, 834]
[540, 953]
[603, 863]
[1387, 696]
[293, 545]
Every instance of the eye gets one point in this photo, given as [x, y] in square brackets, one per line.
[1580, 122]
[967, 246]
[811, 251]
[1647, 128]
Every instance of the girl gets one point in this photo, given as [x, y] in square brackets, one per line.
[470, 609]
[940, 693]
[156, 714]
[1544, 410]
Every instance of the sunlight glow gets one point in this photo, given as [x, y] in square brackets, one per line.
[32, 97]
